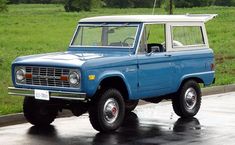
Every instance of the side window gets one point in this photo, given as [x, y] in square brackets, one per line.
[156, 33]
[187, 36]
[153, 39]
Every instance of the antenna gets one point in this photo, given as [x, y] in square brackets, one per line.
[154, 5]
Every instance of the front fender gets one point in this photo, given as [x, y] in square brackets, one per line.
[92, 85]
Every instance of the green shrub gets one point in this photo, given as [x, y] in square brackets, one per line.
[30, 1]
[131, 3]
[145, 3]
[225, 2]
[14, 1]
[195, 3]
[119, 3]
[77, 5]
[96, 3]
[3, 5]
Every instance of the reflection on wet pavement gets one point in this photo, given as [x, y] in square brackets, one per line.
[131, 132]
[134, 133]
[148, 125]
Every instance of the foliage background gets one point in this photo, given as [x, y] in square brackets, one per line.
[137, 3]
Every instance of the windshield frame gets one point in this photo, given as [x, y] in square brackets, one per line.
[123, 24]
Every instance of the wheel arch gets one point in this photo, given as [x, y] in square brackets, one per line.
[120, 84]
[196, 79]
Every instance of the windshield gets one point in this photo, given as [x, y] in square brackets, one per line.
[122, 36]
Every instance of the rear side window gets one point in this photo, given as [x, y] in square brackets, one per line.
[183, 36]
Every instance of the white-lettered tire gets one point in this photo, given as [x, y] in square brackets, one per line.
[107, 111]
[38, 113]
[187, 102]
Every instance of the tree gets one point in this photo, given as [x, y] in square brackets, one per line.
[77, 5]
[3, 5]
[168, 6]
[171, 7]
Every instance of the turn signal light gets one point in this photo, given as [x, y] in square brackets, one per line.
[91, 77]
[28, 76]
[64, 78]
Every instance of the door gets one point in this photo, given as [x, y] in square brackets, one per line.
[155, 70]
[154, 74]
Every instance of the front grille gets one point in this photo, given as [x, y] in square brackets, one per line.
[47, 76]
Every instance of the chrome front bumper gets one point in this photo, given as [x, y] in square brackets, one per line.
[53, 94]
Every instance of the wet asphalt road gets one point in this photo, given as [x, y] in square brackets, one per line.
[150, 124]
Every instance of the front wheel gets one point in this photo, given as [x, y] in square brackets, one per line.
[39, 113]
[188, 100]
[130, 105]
[107, 111]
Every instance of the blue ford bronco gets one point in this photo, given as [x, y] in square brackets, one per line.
[113, 62]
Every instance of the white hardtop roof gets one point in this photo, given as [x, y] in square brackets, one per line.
[152, 18]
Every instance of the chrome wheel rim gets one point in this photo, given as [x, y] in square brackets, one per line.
[111, 110]
[190, 98]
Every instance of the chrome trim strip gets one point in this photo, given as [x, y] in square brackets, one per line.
[53, 94]
[140, 37]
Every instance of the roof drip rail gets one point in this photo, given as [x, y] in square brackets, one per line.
[150, 18]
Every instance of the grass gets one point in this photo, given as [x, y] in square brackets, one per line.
[33, 29]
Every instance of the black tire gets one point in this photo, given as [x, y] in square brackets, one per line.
[38, 112]
[111, 119]
[130, 105]
[187, 101]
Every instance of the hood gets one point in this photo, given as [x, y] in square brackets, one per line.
[68, 59]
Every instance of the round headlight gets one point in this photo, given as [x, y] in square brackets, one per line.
[20, 74]
[74, 78]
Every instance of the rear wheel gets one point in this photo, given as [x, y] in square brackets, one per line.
[39, 113]
[107, 111]
[188, 100]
